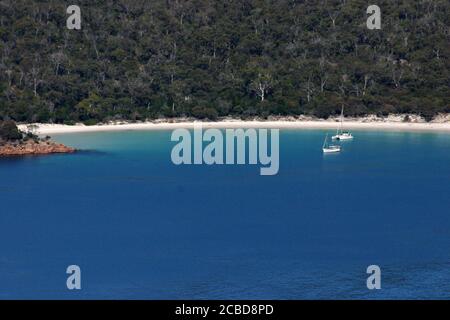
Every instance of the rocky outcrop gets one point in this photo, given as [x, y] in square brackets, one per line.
[32, 147]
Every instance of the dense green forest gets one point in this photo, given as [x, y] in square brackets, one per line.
[141, 59]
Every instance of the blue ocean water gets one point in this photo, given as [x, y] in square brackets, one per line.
[142, 228]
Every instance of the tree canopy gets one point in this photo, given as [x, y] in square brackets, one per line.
[9, 131]
[139, 59]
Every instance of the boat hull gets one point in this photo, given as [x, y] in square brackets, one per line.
[342, 137]
[333, 150]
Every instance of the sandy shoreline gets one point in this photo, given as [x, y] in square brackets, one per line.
[47, 129]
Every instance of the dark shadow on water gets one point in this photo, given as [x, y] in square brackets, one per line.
[7, 159]
[91, 152]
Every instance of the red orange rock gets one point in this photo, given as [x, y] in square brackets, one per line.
[33, 148]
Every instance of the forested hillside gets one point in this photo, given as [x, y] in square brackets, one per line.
[138, 59]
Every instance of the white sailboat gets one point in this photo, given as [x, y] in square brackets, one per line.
[340, 134]
[330, 148]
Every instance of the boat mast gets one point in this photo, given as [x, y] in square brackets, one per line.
[325, 141]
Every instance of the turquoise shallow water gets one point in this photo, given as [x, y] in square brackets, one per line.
[142, 228]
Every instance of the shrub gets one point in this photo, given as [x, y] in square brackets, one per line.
[204, 112]
[9, 131]
[90, 122]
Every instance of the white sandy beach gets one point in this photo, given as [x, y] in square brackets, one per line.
[394, 123]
